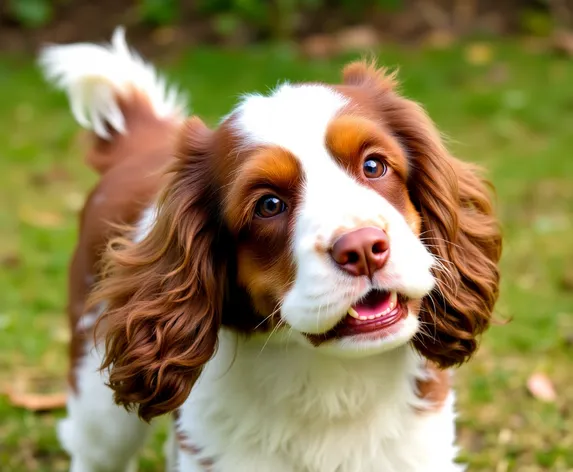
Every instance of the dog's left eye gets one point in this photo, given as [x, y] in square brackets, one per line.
[269, 206]
[374, 167]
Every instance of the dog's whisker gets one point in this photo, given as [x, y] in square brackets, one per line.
[276, 310]
[275, 328]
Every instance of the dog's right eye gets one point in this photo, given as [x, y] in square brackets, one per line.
[269, 206]
[374, 167]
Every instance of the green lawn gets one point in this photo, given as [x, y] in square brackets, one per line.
[513, 113]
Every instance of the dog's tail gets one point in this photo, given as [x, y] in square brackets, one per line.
[112, 91]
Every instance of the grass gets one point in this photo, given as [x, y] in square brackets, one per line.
[510, 108]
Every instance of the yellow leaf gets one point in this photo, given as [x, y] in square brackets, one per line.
[40, 218]
[479, 54]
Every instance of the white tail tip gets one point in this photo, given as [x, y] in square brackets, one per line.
[94, 75]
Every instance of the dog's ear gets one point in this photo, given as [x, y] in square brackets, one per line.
[459, 226]
[163, 291]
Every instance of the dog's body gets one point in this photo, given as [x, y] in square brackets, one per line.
[184, 303]
[314, 413]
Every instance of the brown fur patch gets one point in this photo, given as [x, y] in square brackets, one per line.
[352, 139]
[264, 258]
[436, 389]
[131, 166]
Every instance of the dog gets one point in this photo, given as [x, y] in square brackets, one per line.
[293, 286]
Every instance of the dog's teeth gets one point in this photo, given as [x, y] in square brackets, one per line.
[352, 312]
[393, 301]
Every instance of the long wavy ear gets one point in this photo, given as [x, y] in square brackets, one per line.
[460, 228]
[163, 294]
[458, 224]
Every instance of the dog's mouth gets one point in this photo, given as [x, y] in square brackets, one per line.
[376, 312]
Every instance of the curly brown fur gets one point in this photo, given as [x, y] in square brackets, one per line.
[164, 294]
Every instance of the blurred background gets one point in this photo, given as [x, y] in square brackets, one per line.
[496, 76]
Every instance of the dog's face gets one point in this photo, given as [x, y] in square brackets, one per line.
[333, 212]
[327, 235]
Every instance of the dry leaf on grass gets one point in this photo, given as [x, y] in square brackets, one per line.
[562, 42]
[10, 261]
[40, 219]
[34, 392]
[37, 402]
[479, 54]
[541, 387]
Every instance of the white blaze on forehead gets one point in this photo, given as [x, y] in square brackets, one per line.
[294, 117]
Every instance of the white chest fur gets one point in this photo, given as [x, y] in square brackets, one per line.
[284, 408]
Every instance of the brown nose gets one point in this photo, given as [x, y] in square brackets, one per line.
[361, 252]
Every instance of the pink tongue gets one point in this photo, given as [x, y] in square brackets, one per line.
[374, 303]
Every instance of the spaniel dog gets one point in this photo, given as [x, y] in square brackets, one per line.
[292, 286]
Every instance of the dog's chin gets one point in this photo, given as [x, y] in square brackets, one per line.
[372, 343]
[377, 323]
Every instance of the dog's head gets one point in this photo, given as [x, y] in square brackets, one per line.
[335, 212]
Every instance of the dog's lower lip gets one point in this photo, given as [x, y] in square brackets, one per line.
[350, 326]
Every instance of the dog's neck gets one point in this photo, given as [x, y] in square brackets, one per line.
[277, 401]
[277, 370]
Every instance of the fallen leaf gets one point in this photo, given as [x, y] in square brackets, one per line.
[479, 54]
[40, 219]
[37, 402]
[541, 387]
[35, 392]
[10, 261]
[562, 42]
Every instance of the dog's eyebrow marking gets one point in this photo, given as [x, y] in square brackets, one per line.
[349, 136]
